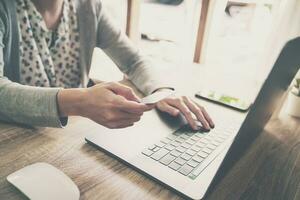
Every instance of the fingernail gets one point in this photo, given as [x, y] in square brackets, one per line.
[198, 123]
[196, 127]
[207, 127]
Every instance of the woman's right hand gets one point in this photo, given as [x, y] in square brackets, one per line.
[110, 104]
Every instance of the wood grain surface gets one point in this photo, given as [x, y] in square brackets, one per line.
[269, 170]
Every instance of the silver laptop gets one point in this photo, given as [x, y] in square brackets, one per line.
[188, 162]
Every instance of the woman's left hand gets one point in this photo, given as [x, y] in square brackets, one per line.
[175, 105]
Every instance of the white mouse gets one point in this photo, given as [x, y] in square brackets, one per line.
[43, 181]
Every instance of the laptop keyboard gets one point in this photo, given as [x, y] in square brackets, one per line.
[189, 152]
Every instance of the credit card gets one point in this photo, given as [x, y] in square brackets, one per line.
[157, 96]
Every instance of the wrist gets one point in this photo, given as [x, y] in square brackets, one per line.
[70, 102]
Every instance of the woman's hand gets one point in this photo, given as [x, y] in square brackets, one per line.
[191, 110]
[110, 104]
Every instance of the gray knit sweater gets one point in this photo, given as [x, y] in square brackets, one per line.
[38, 106]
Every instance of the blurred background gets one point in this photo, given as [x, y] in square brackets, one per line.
[241, 40]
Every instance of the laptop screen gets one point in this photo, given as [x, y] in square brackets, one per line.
[271, 92]
[268, 98]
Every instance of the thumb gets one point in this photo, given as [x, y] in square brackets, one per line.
[124, 91]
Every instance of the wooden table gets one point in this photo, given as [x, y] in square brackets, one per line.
[270, 169]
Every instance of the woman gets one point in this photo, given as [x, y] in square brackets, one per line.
[46, 49]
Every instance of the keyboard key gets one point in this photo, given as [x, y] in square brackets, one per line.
[200, 144]
[166, 140]
[196, 148]
[207, 150]
[159, 154]
[147, 152]
[152, 147]
[181, 149]
[215, 143]
[177, 133]
[186, 145]
[190, 141]
[169, 147]
[166, 160]
[195, 138]
[205, 141]
[203, 154]
[188, 133]
[198, 159]
[199, 135]
[211, 146]
[175, 153]
[175, 143]
[185, 170]
[172, 137]
[180, 139]
[156, 149]
[175, 166]
[186, 156]
[160, 144]
[185, 137]
[192, 163]
[191, 152]
[180, 161]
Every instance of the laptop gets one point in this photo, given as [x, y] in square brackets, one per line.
[188, 162]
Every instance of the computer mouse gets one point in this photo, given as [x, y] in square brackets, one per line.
[43, 181]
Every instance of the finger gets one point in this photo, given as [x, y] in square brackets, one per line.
[197, 111]
[122, 115]
[206, 115]
[125, 126]
[165, 107]
[132, 107]
[185, 111]
[129, 120]
[124, 91]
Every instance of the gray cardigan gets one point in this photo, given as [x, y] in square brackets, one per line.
[38, 106]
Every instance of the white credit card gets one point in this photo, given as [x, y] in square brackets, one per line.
[157, 96]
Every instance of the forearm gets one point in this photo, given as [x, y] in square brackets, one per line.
[28, 105]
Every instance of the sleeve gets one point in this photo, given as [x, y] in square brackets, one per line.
[119, 48]
[25, 104]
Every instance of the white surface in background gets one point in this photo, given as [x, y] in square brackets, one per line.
[237, 44]
[103, 68]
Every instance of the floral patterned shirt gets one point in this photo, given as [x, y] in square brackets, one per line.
[49, 58]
